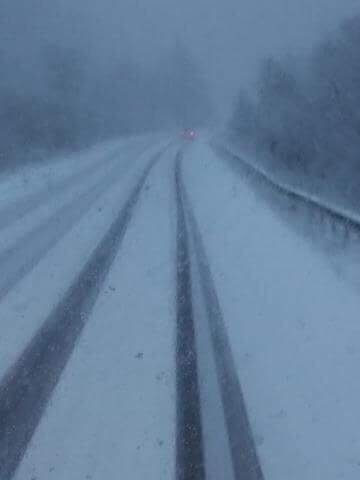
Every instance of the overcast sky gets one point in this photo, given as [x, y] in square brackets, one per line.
[228, 37]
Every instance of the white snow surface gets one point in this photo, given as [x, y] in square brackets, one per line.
[293, 324]
[113, 412]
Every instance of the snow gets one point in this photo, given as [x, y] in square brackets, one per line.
[23, 310]
[292, 323]
[47, 175]
[298, 190]
[293, 326]
[122, 371]
[215, 438]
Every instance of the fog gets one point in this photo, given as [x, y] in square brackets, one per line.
[226, 40]
[167, 308]
[229, 37]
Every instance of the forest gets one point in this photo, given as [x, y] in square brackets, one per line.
[303, 122]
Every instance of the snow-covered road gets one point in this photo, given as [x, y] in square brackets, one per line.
[159, 321]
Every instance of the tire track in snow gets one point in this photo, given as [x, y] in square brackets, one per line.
[245, 461]
[18, 209]
[189, 441]
[244, 458]
[22, 257]
[27, 387]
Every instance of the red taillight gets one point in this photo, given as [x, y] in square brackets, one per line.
[189, 134]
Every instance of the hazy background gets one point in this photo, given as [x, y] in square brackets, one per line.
[228, 37]
[75, 73]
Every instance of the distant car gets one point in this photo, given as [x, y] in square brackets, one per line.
[189, 134]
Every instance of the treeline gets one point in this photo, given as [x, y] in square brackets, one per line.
[79, 104]
[304, 122]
